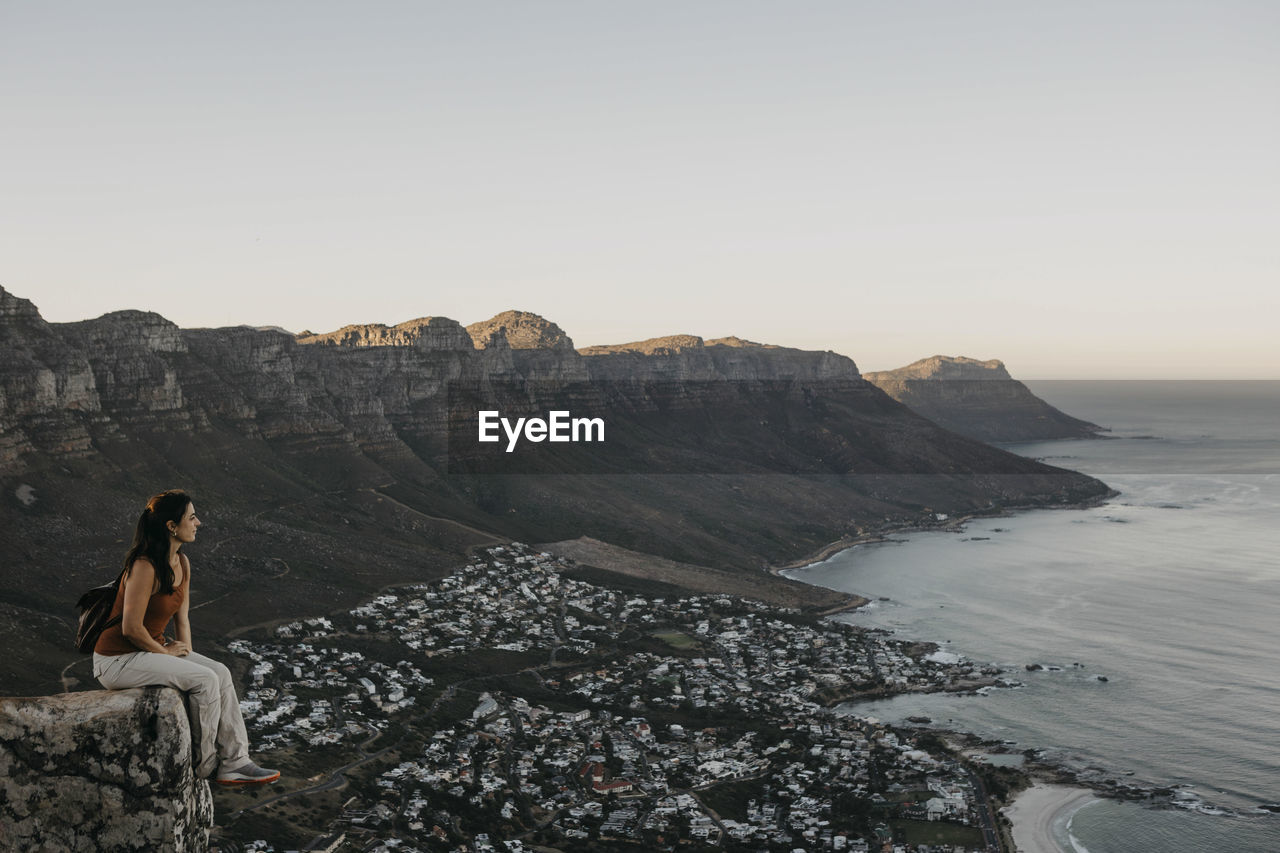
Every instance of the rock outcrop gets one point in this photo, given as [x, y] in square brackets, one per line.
[668, 345]
[688, 358]
[127, 351]
[47, 391]
[519, 330]
[432, 333]
[978, 399]
[101, 771]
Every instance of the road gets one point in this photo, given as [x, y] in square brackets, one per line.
[986, 819]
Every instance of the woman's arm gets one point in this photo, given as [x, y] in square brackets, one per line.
[137, 595]
[181, 623]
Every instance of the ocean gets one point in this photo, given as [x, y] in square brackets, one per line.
[1171, 591]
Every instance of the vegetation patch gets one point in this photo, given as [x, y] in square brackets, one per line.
[298, 763]
[936, 832]
[676, 639]
[730, 799]
[631, 584]
[476, 663]
[527, 686]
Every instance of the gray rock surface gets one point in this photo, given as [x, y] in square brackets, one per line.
[47, 391]
[127, 350]
[106, 770]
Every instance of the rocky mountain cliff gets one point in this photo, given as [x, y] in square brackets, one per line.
[978, 399]
[326, 466]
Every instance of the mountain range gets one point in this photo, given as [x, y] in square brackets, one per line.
[326, 466]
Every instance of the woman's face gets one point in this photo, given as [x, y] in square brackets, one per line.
[185, 530]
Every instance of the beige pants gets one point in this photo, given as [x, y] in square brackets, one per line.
[218, 729]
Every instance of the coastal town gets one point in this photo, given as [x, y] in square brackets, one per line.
[625, 720]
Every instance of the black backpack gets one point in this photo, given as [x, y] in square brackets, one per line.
[95, 608]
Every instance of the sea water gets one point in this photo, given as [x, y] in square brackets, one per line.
[1170, 591]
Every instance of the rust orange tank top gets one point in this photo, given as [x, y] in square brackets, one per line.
[160, 610]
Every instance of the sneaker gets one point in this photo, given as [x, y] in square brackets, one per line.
[249, 774]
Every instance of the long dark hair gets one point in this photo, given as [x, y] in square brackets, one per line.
[151, 536]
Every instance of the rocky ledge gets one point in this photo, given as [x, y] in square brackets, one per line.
[106, 770]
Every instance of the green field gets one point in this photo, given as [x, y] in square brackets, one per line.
[676, 639]
[935, 832]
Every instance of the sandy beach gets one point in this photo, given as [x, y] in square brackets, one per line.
[829, 550]
[1034, 810]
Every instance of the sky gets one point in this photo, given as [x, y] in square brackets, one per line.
[1083, 190]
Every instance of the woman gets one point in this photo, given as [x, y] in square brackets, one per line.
[135, 652]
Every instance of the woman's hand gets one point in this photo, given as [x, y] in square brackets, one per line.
[177, 648]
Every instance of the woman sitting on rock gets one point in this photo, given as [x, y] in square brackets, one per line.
[135, 653]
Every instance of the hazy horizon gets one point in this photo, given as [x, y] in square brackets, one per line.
[1083, 191]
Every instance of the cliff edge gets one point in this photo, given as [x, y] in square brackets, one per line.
[105, 770]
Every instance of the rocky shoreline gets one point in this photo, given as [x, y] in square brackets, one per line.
[1046, 785]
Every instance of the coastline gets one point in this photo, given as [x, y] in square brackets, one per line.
[949, 525]
[1034, 811]
[826, 552]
